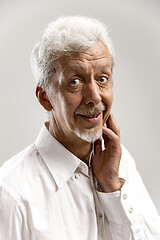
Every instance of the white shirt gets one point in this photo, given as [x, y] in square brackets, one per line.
[47, 193]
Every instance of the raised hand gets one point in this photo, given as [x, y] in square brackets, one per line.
[105, 163]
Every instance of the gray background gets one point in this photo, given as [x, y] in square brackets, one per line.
[135, 31]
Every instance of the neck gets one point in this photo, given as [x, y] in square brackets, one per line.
[74, 144]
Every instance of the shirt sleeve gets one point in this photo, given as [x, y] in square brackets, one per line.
[131, 212]
[12, 218]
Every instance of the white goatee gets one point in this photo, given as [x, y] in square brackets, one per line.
[89, 137]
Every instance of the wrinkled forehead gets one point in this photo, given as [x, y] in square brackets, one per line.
[96, 57]
[95, 60]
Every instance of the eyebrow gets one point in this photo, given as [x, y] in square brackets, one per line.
[76, 68]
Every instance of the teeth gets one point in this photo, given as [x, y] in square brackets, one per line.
[91, 116]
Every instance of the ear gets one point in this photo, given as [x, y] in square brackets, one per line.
[43, 99]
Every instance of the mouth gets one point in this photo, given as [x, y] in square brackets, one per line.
[91, 118]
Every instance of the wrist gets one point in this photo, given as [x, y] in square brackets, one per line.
[111, 186]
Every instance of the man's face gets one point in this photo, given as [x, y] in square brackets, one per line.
[82, 91]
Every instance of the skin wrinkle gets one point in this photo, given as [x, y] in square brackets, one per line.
[78, 69]
[70, 129]
[86, 60]
[89, 58]
[63, 122]
[58, 41]
[86, 69]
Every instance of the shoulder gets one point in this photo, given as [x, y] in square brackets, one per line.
[17, 161]
[16, 173]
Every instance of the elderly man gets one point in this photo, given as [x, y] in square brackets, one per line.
[76, 182]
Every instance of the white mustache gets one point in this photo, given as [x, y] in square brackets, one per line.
[91, 110]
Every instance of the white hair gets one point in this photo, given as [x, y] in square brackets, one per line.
[63, 37]
[89, 137]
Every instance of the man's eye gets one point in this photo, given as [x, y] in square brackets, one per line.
[74, 82]
[103, 79]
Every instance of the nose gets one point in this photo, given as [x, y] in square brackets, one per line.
[91, 93]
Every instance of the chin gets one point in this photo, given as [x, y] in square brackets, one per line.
[89, 136]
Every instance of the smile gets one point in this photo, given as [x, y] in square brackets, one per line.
[91, 118]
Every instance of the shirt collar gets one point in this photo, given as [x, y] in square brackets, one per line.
[60, 161]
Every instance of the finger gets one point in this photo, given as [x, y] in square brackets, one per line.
[96, 160]
[108, 134]
[105, 117]
[111, 123]
[98, 147]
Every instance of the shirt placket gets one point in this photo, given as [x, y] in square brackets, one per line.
[98, 208]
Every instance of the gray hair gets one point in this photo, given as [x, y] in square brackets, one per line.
[63, 37]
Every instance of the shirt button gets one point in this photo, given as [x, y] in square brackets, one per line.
[131, 210]
[124, 196]
[77, 175]
[100, 216]
[82, 166]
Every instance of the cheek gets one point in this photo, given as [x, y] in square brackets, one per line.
[72, 101]
[108, 98]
